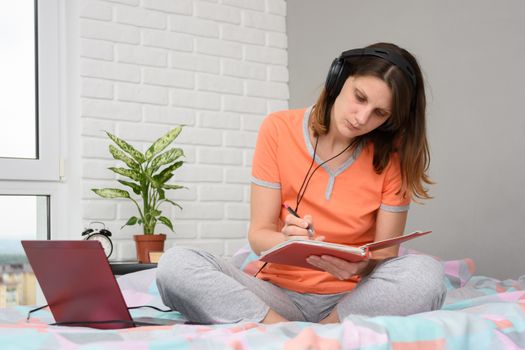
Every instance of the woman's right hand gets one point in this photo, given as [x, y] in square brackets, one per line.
[299, 228]
[266, 229]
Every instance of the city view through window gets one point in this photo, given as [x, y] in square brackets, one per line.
[21, 217]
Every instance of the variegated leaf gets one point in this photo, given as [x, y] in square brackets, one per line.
[166, 222]
[118, 154]
[173, 187]
[165, 174]
[111, 193]
[163, 142]
[172, 202]
[135, 187]
[166, 158]
[126, 147]
[161, 180]
[127, 173]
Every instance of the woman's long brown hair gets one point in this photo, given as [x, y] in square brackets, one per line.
[405, 131]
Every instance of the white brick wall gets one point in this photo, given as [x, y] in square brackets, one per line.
[217, 67]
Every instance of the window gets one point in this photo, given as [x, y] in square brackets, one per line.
[29, 108]
[22, 217]
[31, 70]
[18, 69]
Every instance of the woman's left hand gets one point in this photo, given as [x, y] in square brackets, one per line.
[340, 268]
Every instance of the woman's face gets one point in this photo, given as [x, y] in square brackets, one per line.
[364, 103]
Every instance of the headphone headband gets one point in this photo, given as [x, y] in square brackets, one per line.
[397, 60]
[340, 67]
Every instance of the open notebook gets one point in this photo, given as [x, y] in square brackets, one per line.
[295, 252]
[79, 287]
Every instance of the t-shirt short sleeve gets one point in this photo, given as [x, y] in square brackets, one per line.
[393, 198]
[265, 167]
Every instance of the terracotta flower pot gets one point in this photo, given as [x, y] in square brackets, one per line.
[148, 243]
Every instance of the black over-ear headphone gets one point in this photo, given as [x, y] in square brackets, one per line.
[339, 69]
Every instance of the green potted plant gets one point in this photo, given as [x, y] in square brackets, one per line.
[148, 174]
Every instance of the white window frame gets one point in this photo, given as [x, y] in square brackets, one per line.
[44, 227]
[55, 223]
[47, 166]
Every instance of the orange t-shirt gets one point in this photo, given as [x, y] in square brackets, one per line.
[343, 203]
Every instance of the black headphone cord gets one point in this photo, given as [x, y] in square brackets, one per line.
[299, 196]
[97, 322]
[306, 181]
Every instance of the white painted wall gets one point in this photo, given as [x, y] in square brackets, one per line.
[145, 66]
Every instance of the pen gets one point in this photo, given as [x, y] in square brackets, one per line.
[310, 229]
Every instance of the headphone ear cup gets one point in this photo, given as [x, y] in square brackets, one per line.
[333, 84]
[336, 77]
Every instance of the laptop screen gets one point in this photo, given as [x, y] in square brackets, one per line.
[77, 282]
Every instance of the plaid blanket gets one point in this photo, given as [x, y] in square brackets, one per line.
[479, 313]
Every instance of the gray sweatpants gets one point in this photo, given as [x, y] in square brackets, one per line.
[208, 289]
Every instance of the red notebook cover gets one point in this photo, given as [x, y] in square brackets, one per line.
[295, 252]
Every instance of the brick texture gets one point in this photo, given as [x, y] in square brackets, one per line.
[146, 66]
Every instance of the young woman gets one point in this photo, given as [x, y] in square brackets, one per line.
[349, 166]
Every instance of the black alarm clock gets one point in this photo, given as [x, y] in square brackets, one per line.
[97, 231]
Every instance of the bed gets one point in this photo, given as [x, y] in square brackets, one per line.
[479, 313]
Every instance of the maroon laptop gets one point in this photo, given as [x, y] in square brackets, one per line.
[78, 284]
